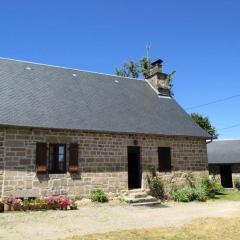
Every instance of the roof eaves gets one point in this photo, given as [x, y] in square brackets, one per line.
[97, 131]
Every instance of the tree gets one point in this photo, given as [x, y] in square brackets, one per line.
[145, 63]
[130, 69]
[204, 123]
[133, 69]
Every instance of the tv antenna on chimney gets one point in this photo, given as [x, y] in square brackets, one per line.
[148, 47]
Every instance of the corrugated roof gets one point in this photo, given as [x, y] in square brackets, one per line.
[37, 95]
[224, 151]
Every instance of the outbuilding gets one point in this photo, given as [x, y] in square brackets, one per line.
[224, 160]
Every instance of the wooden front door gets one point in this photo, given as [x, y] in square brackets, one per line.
[226, 176]
[134, 168]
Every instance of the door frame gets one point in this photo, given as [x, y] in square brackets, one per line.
[222, 166]
[139, 166]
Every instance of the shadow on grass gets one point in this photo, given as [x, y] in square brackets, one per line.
[228, 195]
[218, 195]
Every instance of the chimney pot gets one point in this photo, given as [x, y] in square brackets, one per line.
[155, 67]
[158, 79]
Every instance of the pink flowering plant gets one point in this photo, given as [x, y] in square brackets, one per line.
[58, 200]
[64, 201]
[51, 202]
[10, 200]
[13, 201]
[17, 203]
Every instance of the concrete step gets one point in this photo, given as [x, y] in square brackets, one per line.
[145, 204]
[136, 190]
[137, 195]
[139, 200]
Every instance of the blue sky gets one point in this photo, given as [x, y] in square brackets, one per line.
[198, 39]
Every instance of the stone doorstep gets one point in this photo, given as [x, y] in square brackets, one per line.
[138, 200]
[138, 195]
[145, 204]
[127, 192]
[136, 190]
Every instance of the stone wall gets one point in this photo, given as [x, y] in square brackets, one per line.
[102, 160]
[2, 134]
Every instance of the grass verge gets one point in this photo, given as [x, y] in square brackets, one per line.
[229, 195]
[209, 228]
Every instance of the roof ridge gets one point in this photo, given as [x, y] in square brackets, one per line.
[69, 68]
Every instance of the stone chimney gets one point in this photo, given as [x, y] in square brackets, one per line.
[159, 80]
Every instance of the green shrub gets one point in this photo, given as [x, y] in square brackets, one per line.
[188, 194]
[156, 187]
[99, 195]
[237, 184]
[183, 194]
[200, 194]
[211, 186]
[218, 188]
[196, 191]
[155, 184]
[39, 201]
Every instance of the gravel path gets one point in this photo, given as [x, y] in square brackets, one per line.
[106, 217]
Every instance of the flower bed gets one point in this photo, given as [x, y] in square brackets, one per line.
[51, 202]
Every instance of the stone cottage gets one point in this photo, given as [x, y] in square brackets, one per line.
[224, 161]
[66, 131]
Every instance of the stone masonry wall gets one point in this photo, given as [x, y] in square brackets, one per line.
[102, 159]
[2, 137]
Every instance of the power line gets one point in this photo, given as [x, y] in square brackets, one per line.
[233, 126]
[213, 102]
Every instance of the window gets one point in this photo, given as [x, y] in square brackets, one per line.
[164, 159]
[57, 158]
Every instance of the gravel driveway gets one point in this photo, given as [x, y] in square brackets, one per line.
[107, 217]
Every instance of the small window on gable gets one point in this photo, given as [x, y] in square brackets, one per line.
[164, 159]
[57, 158]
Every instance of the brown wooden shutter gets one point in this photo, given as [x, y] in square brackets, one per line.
[41, 157]
[73, 158]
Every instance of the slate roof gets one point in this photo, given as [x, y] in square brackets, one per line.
[43, 96]
[224, 151]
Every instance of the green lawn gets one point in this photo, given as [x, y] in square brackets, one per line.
[203, 229]
[210, 229]
[229, 195]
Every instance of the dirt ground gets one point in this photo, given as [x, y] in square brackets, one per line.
[107, 217]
